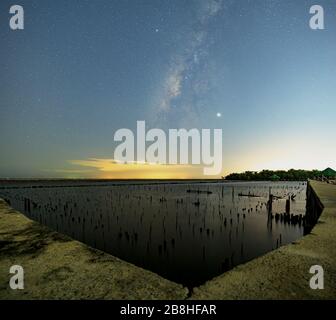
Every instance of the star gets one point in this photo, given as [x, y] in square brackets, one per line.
[219, 115]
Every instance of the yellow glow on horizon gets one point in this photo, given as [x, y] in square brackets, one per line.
[281, 153]
[110, 169]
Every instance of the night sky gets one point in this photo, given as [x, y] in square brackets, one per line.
[80, 70]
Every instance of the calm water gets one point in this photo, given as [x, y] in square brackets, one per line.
[188, 233]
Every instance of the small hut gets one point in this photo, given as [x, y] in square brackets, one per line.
[329, 173]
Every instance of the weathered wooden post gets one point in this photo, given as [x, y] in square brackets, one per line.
[288, 205]
[270, 204]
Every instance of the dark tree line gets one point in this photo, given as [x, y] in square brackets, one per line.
[290, 175]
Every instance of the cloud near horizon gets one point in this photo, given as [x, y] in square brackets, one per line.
[112, 169]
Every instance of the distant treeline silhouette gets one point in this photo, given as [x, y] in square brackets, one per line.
[290, 175]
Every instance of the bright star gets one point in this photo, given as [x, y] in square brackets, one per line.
[219, 114]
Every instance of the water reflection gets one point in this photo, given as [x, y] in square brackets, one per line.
[188, 233]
